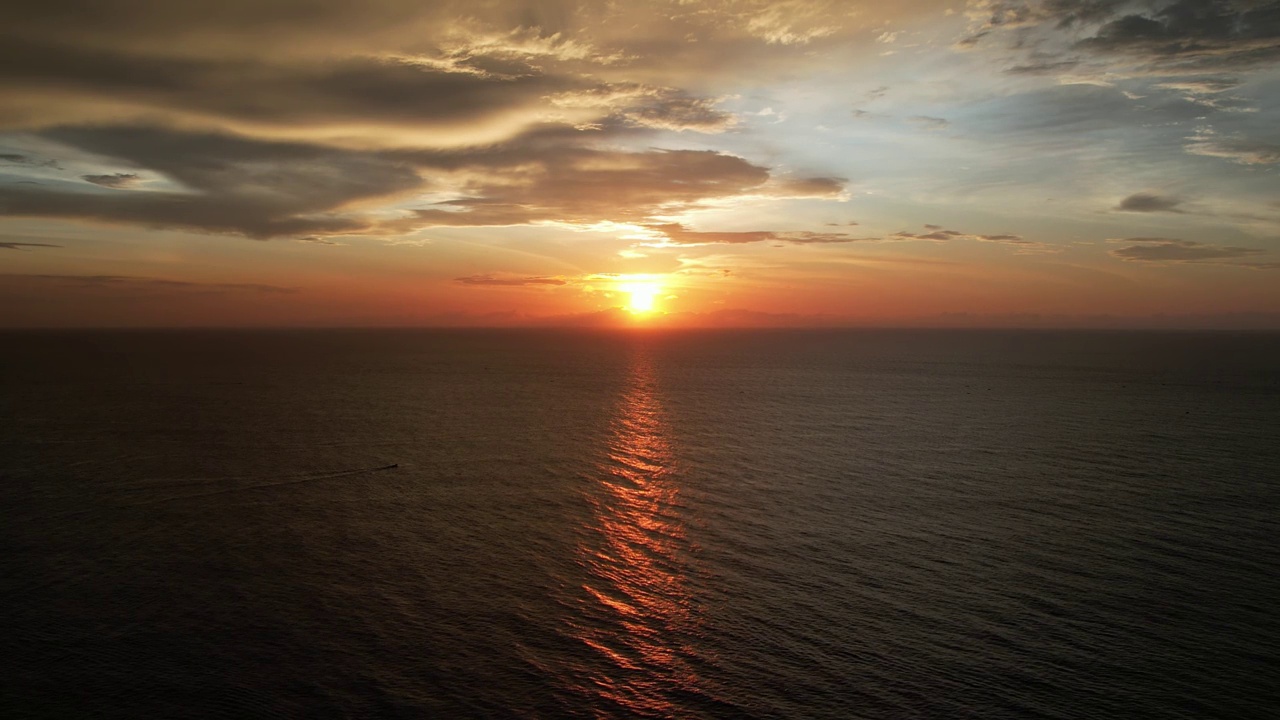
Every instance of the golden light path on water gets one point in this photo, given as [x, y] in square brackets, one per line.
[637, 583]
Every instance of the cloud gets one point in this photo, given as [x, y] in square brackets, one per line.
[939, 234]
[531, 184]
[935, 235]
[393, 69]
[678, 234]
[264, 189]
[1047, 67]
[459, 80]
[613, 105]
[1158, 250]
[147, 284]
[1149, 202]
[5, 245]
[1126, 38]
[265, 122]
[116, 180]
[786, 22]
[1198, 33]
[509, 281]
[255, 188]
[27, 160]
[1202, 86]
[1238, 150]
[929, 123]
[366, 95]
[814, 187]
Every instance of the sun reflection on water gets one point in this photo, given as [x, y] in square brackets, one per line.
[640, 619]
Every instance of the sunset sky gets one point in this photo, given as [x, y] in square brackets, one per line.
[671, 162]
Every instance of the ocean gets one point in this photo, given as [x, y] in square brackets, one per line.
[600, 524]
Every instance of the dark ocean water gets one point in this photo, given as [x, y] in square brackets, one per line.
[733, 524]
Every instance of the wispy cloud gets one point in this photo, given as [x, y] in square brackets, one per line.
[136, 283]
[24, 245]
[929, 123]
[939, 234]
[1159, 250]
[509, 281]
[677, 234]
[1240, 150]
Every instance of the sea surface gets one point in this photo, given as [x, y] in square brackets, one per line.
[732, 524]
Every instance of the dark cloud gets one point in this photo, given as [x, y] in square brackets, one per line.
[5, 245]
[116, 180]
[1199, 33]
[255, 188]
[19, 159]
[1170, 36]
[1149, 202]
[509, 281]
[1173, 250]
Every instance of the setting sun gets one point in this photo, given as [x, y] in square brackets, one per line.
[642, 295]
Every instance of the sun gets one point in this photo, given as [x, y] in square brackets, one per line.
[643, 296]
[642, 300]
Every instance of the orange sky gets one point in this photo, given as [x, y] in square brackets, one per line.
[736, 162]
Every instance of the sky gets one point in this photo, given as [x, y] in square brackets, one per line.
[1072, 163]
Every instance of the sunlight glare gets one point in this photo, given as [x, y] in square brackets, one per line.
[643, 296]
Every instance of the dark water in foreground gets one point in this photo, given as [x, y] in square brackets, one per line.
[771, 524]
